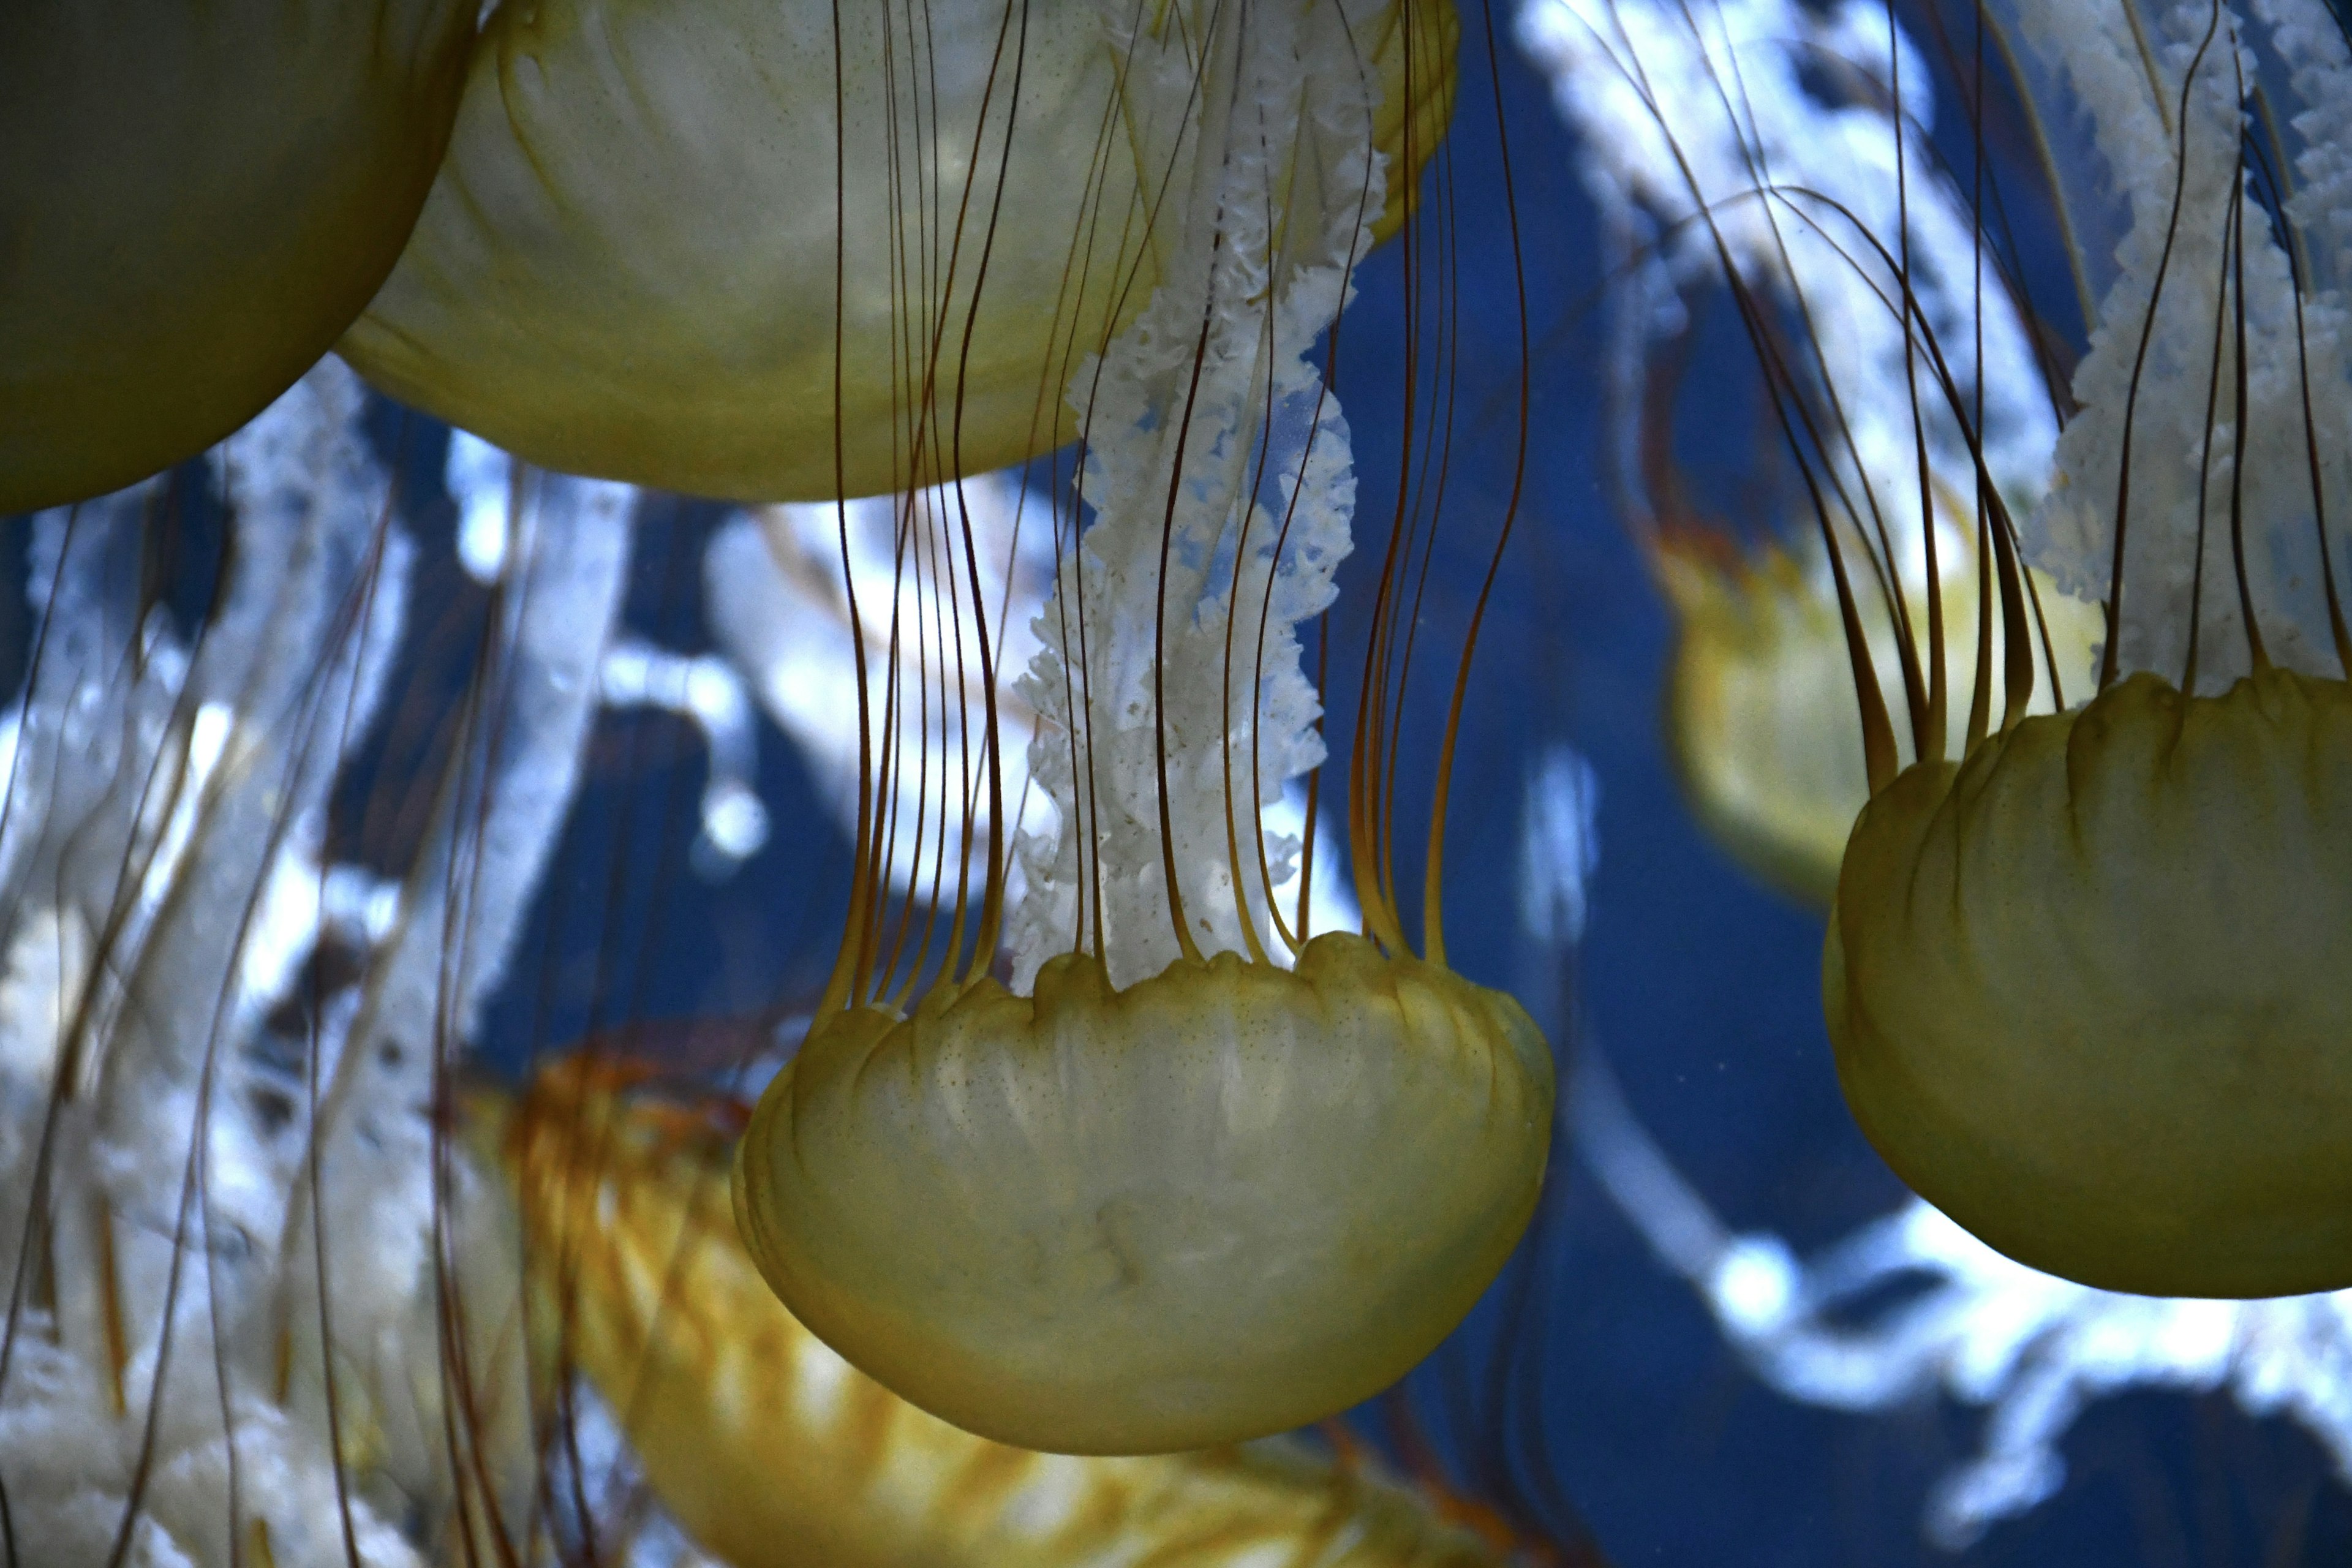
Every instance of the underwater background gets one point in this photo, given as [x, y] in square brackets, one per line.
[1594, 1391]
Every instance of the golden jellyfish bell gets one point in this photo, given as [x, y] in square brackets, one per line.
[783, 251]
[772, 1453]
[195, 202]
[2090, 987]
[1186, 1174]
[1221, 1201]
[2087, 987]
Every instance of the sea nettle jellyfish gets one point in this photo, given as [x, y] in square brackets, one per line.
[790, 251]
[2087, 984]
[1188, 1172]
[195, 202]
[1768, 189]
[775, 1453]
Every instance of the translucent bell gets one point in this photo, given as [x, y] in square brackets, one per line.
[1221, 1203]
[2100, 1011]
[664, 225]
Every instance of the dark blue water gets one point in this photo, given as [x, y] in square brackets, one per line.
[1592, 1391]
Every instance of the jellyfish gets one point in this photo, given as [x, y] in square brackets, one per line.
[195, 203]
[771, 1450]
[2088, 982]
[1188, 1171]
[1780, 154]
[2078, 979]
[792, 252]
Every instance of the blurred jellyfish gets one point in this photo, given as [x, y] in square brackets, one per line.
[264, 1308]
[1783, 148]
[195, 202]
[1191, 1176]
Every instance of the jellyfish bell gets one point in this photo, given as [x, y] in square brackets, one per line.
[1221, 1201]
[1189, 1173]
[771, 1452]
[195, 202]
[779, 252]
[2087, 984]
[2087, 992]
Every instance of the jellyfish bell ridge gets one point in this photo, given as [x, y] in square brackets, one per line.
[195, 202]
[1236, 1197]
[2086, 988]
[631, 264]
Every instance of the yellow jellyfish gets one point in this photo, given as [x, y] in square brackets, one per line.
[2090, 984]
[786, 251]
[772, 1452]
[1185, 1175]
[1747, 158]
[195, 202]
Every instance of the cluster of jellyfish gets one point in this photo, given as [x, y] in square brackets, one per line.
[1130, 1132]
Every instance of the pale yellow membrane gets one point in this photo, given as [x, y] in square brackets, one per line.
[1761, 709]
[775, 1453]
[628, 266]
[1224, 1202]
[196, 200]
[2100, 1009]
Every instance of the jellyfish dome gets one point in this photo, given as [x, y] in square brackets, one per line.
[1222, 1202]
[1188, 1173]
[195, 202]
[2090, 985]
[792, 251]
[772, 1453]
[2094, 1008]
